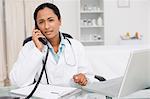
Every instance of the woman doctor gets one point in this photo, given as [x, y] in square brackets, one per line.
[66, 64]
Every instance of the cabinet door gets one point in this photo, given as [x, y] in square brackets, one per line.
[69, 10]
[29, 6]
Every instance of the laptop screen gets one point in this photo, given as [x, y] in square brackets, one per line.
[136, 75]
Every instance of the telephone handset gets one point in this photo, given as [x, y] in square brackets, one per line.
[43, 40]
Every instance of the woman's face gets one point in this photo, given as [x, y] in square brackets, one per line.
[48, 23]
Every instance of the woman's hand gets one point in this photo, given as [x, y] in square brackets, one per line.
[80, 79]
[36, 34]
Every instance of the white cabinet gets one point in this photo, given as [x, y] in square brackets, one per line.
[92, 22]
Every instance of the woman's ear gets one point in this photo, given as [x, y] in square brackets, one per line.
[60, 21]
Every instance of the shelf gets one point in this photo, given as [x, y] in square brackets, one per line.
[130, 42]
[92, 22]
[92, 12]
[92, 26]
[92, 41]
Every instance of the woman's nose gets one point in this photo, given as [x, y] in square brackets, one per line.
[46, 25]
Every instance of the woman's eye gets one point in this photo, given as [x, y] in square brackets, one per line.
[51, 20]
[40, 22]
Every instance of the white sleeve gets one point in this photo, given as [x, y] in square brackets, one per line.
[27, 65]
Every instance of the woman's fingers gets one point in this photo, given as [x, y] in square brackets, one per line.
[83, 81]
[80, 79]
[36, 34]
[76, 78]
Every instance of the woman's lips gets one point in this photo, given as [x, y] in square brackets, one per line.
[48, 32]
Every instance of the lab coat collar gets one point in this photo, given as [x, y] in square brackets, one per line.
[68, 53]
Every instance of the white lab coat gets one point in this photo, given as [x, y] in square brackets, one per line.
[29, 64]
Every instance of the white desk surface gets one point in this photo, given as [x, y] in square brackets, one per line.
[142, 94]
[5, 91]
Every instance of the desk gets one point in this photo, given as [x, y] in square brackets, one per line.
[5, 91]
[141, 94]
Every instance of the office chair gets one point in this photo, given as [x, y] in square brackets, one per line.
[30, 38]
[100, 78]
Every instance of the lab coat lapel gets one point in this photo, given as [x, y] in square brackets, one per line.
[69, 56]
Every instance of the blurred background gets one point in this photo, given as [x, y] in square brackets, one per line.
[93, 22]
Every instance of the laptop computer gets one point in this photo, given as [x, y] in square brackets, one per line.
[134, 79]
[137, 71]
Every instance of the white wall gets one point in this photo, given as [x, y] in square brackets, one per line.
[121, 20]
[69, 10]
[148, 22]
[14, 29]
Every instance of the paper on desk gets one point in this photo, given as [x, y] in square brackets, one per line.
[46, 91]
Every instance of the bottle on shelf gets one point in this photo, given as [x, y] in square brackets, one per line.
[99, 21]
[92, 22]
[85, 7]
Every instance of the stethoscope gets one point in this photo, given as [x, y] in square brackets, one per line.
[67, 61]
[44, 67]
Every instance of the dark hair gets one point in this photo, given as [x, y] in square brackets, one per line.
[48, 5]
